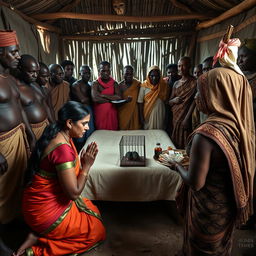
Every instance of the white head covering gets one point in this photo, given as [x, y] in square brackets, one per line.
[228, 53]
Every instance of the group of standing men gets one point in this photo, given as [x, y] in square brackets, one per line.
[29, 101]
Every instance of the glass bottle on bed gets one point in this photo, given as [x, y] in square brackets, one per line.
[158, 150]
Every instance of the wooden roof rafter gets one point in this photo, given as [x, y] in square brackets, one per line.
[66, 8]
[37, 23]
[126, 37]
[243, 6]
[180, 5]
[116, 18]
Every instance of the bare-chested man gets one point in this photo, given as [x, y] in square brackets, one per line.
[43, 75]
[59, 89]
[14, 149]
[81, 92]
[32, 98]
[105, 90]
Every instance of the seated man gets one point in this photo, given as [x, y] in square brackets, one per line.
[152, 98]
[128, 113]
[104, 91]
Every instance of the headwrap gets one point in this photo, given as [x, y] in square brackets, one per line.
[227, 54]
[8, 38]
[157, 91]
[250, 43]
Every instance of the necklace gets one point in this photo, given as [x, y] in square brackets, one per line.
[66, 137]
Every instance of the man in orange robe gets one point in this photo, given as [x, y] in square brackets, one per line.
[128, 113]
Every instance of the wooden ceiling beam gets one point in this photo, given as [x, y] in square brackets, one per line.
[182, 6]
[243, 6]
[33, 21]
[116, 18]
[131, 36]
[67, 8]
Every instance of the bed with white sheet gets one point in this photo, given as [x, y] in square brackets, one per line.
[109, 182]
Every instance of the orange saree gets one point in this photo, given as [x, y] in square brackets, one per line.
[64, 226]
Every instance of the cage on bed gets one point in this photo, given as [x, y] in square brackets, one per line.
[132, 150]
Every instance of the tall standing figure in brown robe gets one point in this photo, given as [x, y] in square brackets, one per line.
[182, 104]
[217, 189]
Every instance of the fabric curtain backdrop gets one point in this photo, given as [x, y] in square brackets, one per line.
[141, 54]
[245, 27]
[43, 47]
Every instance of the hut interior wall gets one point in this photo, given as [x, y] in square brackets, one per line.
[245, 27]
[141, 53]
[41, 47]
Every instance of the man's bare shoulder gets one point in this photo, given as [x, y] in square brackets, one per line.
[95, 84]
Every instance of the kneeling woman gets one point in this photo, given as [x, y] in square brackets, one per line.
[62, 221]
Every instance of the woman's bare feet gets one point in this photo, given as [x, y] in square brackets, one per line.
[31, 240]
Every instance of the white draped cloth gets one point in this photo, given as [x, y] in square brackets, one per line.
[110, 182]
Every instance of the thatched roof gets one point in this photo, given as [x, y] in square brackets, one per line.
[96, 19]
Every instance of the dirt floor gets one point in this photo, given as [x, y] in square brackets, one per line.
[148, 229]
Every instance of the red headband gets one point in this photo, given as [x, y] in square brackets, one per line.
[8, 38]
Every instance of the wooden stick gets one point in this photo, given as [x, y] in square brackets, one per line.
[102, 17]
[245, 5]
[228, 34]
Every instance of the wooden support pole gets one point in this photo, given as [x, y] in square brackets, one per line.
[245, 5]
[101, 17]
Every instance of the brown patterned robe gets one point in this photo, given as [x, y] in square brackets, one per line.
[186, 90]
[226, 198]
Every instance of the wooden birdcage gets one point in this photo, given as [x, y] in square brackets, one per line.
[132, 150]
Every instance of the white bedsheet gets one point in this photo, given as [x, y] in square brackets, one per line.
[110, 182]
